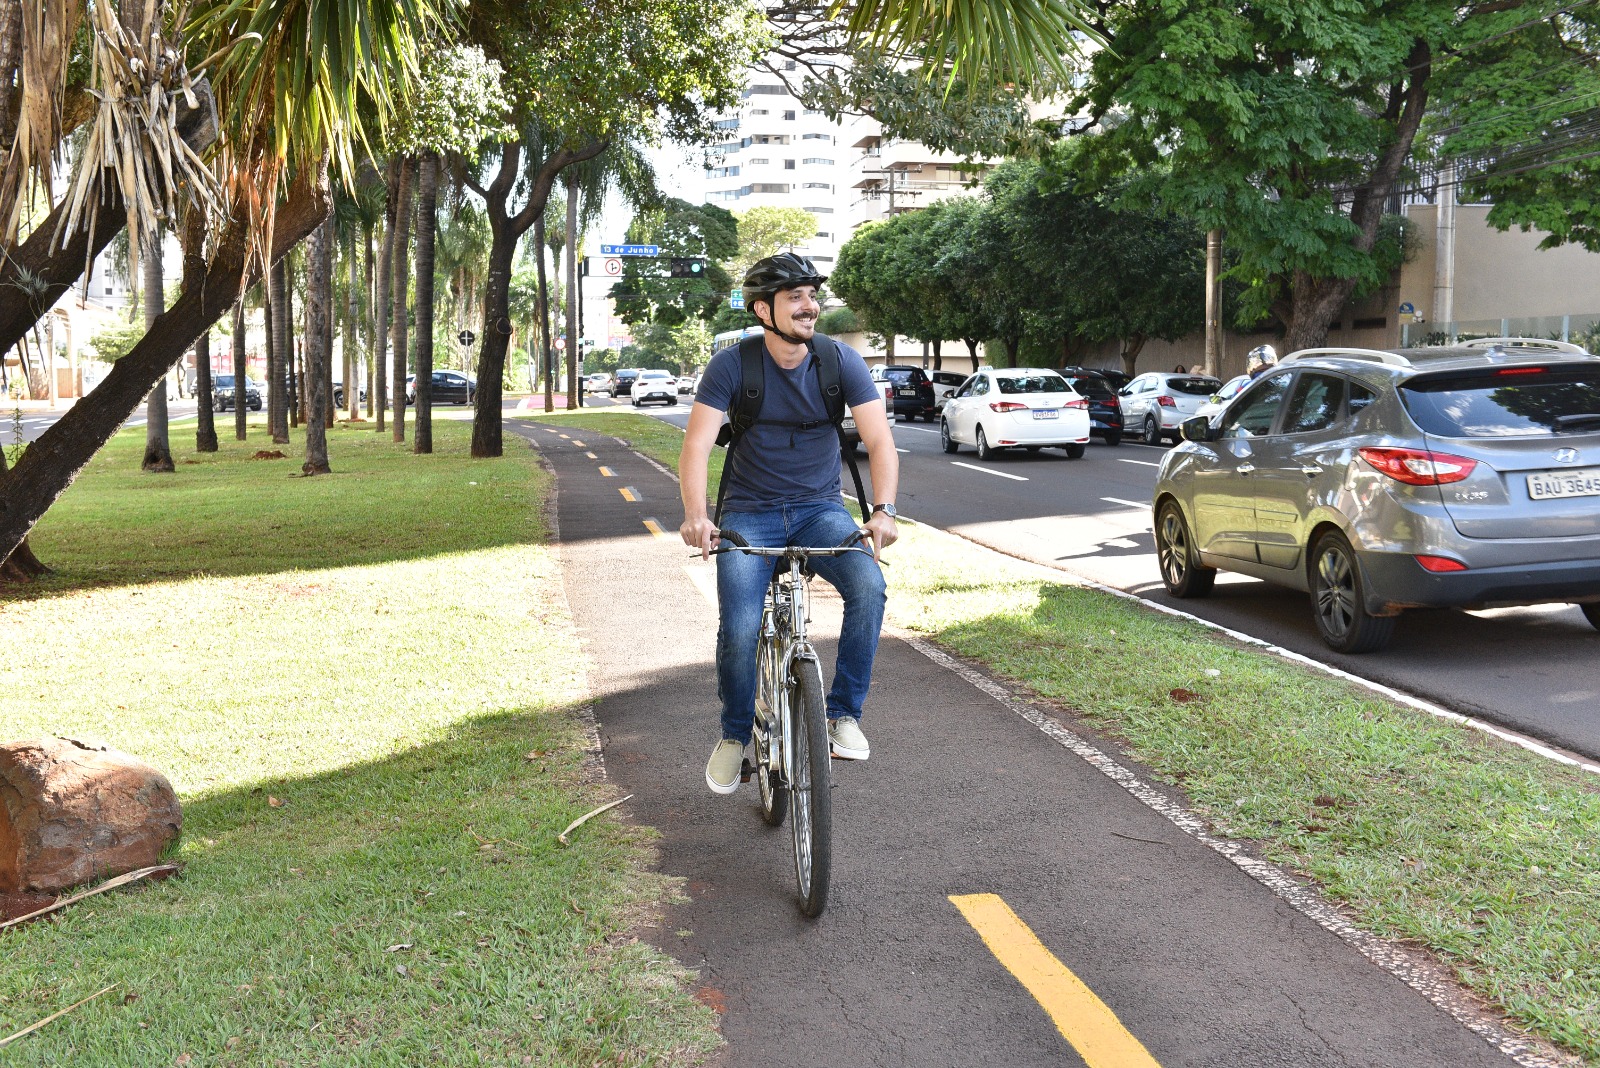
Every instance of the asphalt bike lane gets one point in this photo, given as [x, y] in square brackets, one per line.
[997, 899]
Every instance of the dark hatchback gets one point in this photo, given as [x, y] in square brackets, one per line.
[1105, 410]
[622, 385]
[913, 390]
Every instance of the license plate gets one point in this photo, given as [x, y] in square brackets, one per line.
[1046, 413]
[1582, 483]
[906, 392]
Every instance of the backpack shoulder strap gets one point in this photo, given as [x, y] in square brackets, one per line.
[830, 376]
[745, 410]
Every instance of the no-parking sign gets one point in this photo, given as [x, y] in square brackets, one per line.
[612, 266]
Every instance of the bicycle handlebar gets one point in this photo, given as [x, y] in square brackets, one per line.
[736, 543]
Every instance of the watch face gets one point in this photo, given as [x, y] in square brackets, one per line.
[888, 510]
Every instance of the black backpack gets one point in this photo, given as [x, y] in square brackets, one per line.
[746, 411]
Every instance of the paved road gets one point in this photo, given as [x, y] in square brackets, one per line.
[36, 420]
[1535, 670]
[1198, 962]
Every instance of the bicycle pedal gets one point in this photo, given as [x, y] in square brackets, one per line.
[746, 770]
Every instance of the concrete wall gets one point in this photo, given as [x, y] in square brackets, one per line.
[1500, 275]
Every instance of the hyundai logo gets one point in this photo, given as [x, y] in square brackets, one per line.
[1565, 456]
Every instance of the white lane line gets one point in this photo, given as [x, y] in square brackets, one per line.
[899, 449]
[1142, 463]
[1414, 969]
[918, 429]
[985, 470]
[1141, 505]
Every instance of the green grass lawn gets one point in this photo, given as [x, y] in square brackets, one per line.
[1429, 832]
[367, 690]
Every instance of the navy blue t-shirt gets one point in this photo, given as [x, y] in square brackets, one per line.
[784, 464]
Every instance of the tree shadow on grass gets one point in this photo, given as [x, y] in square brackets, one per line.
[411, 909]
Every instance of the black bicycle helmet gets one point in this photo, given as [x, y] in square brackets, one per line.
[767, 277]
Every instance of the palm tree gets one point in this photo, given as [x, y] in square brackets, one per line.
[319, 321]
[401, 278]
[427, 224]
[239, 367]
[382, 292]
[157, 449]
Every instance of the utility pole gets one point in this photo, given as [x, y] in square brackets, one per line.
[1444, 263]
[1213, 302]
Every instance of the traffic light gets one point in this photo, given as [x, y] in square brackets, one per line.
[687, 267]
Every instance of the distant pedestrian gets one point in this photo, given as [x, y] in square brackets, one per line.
[1180, 370]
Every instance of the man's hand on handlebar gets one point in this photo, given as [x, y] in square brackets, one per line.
[881, 529]
[699, 533]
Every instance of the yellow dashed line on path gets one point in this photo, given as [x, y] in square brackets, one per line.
[591, 456]
[565, 438]
[654, 527]
[606, 471]
[1082, 1018]
[579, 444]
[629, 493]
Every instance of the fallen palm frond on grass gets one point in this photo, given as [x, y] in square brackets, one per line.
[1430, 832]
[342, 677]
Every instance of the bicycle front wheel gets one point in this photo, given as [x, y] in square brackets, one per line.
[809, 780]
[769, 719]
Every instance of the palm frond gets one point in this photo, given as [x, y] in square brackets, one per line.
[998, 41]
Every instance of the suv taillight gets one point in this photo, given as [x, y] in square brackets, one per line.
[1007, 406]
[1419, 467]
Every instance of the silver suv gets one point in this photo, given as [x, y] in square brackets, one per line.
[1465, 477]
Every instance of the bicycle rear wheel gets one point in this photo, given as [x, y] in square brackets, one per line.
[769, 718]
[809, 778]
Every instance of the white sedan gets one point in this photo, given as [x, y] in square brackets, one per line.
[653, 386]
[1002, 407]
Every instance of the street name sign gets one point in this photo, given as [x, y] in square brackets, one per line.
[630, 250]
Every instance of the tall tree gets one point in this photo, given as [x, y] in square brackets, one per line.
[319, 315]
[157, 448]
[240, 368]
[278, 357]
[427, 222]
[768, 230]
[400, 279]
[383, 291]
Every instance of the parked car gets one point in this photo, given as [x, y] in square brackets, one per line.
[598, 382]
[1156, 404]
[1380, 480]
[1031, 407]
[448, 387]
[1105, 410]
[622, 385]
[1119, 379]
[1219, 400]
[945, 384]
[652, 386]
[912, 390]
[338, 395]
[222, 394]
[689, 383]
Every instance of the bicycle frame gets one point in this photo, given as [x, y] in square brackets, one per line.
[783, 629]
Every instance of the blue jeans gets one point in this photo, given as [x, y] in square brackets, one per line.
[741, 591]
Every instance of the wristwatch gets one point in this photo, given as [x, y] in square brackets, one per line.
[886, 509]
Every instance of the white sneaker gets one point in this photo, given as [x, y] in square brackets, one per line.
[725, 767]
[848, 741]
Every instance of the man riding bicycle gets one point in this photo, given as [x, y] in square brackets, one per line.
[782, 487]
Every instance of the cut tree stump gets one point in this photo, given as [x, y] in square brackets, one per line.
[72, 811]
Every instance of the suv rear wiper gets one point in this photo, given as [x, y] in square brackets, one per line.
[1577, 422]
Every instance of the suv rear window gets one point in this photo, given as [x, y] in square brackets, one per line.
[1194, 387]
[1506, 402]
[1032, 384]
[222, 381]
[904, 376]
[1092, 386]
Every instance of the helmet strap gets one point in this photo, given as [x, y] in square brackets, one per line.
[772, 328]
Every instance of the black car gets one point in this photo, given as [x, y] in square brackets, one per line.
[222, 394]
[623, 385]
[338, 395]
[448, 387]
[1119, 379]
[1105, 410]
[912, 390]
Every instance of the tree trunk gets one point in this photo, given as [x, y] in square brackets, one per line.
[427, 220]
[44, 273]
[240, 405]
[55, 459]
[319, 311]
[157, 447]
[542, 362]
[574, 343]
[21, 565]
[972, 350]
[938, 356]
[352, 332]
[278, 354]
[1011, 344]
[1132, 345]
[382, 296]
[1314, 304]
[205, 435]
[401, 278]
[506, 230]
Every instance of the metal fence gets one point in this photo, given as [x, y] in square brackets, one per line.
[1579, 329]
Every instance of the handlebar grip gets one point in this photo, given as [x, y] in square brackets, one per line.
[855, 538]
[733, 537]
